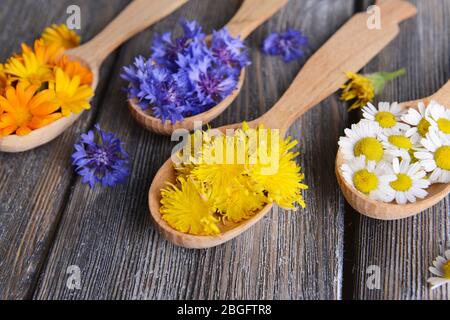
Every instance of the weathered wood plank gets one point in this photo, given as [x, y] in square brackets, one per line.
[405, 249]
[34, 184]
[294, 255]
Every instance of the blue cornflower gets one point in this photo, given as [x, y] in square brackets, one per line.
[185, 76]
[167, 94]
[228, 50]
[101, 160]
[288, 44]
[210, 84]
[166, 51]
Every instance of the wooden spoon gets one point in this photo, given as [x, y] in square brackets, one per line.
[250, 15]
[134, 18]
[349, 49]
[392, 211]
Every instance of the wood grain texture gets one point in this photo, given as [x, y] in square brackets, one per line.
[34, 185]
[405, 249]
[288, 255]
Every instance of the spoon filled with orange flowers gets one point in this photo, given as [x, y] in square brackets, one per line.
[224, 181]
[44, 90]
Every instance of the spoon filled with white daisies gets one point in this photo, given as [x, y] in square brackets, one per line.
[395, 162]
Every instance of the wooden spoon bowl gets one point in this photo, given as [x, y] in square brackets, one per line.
[145, 119]
[322, 75]
[250, 15]
[393, 211]
[134, 18]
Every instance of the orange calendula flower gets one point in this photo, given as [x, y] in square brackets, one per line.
[24, 110]
[75, 68]
[61, 36]
[71, 96]
[3, 80]
[29, 69]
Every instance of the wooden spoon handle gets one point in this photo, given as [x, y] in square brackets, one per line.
[137, 16]
[441, 96]
[252, 14]
[349, 49]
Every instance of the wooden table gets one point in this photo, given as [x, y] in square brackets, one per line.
[50, 221]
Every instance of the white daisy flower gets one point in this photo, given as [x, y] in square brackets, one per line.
[361, 140]
[399, 143]
[409, 184]
[435, 158]
[387, 115]
[368, 177]
[439, 116]
[419, 120]
[441, 269]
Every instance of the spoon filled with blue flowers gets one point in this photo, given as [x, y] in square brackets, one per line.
[184, 201]
[195, 77]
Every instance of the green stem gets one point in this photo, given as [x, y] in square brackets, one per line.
[387, 76]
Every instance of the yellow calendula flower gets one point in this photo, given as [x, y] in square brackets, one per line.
[46, 54]
[25, 110]
[75, 68]
[70, 95]
[362, 88]
[61, 36]
[188, 209]
[28, 69]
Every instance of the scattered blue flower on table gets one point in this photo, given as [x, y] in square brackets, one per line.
[186, 76]
[100, 158]
[287, 44]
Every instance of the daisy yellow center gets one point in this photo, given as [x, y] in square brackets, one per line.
[403, 183]
[386, 119]
[442, 157]
[400, 141]
[369, 147]
[446, 269]
[423, 127]
[444, 125]
[365, 181]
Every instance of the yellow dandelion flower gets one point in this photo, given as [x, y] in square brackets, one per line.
[363, 88]
[238, 201]
[187, 208]
[236, 185]
[24, 110]
[28, 69]
[70, 95]
[61, 36]
[75, 68]
[284, 186]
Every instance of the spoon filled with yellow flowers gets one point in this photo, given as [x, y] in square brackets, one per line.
[45, 89]
[224, 181]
